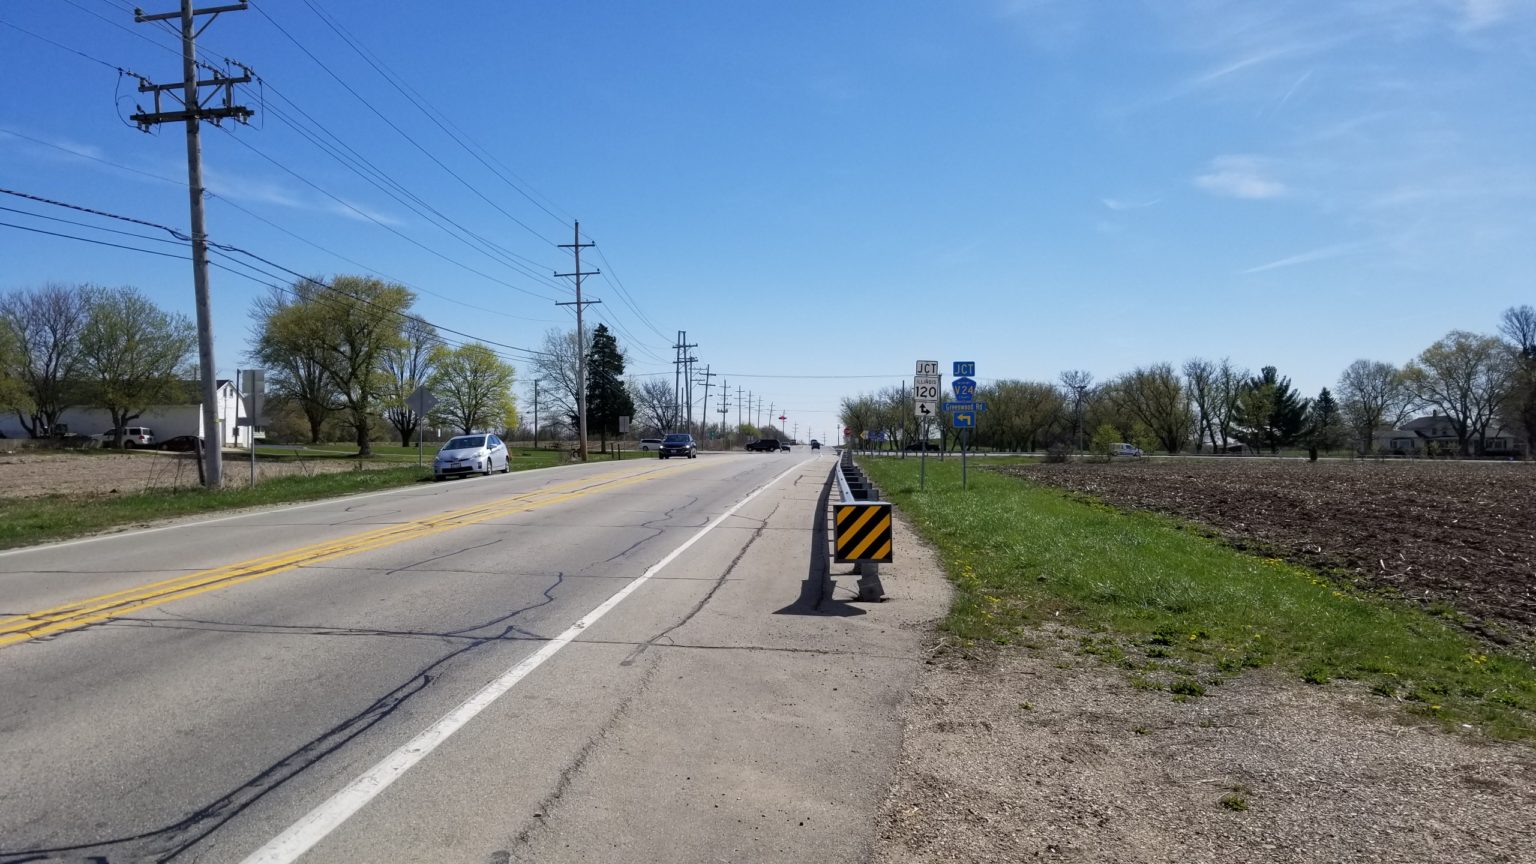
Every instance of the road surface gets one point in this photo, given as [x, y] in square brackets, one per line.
[633, 661]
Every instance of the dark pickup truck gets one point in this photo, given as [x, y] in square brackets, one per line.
[766, 445]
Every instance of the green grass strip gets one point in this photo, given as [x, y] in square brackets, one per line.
[1181, 611]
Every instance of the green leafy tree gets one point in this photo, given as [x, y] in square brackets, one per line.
[291, 351]
[1104, 440]
[1270, 413]
[608, 397]
[1155, 397]
[1372, 394]
[473, 387]
[1467, 376]
[1325, 426]
[345, 328]
[133, 353]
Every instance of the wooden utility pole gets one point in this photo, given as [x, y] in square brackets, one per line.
[535, 413]
[581, 341]
[704, 411]
[193, 111]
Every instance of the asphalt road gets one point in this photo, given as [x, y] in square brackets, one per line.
[636, 661]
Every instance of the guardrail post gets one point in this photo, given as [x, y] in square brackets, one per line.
[870, 589]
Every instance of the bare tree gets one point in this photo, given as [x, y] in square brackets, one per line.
[1518, 324]
[44, 329]
[1078, 384]
[406, 366]
[1228, 387]
[1467, 376]
[1372, 394]
[654, 403]
[1200, 378]
[1155, 397]
[558, 367]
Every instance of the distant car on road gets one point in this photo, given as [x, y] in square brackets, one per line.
[765, 445]
[919, 446]
[1124, 450]
[815, 445]
[133, 436]
[471, 454]
[679, 444]
[650, 444]
[180, 444]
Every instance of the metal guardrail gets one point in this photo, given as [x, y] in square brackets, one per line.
[862, 527]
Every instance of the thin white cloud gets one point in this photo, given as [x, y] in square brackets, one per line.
[1292, 91]
[1120, 205]
[1240, 177]
[1322, 254]
[1477, 14]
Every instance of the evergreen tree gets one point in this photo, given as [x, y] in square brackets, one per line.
[1269, 413]
[1325, 428]
[608, 398]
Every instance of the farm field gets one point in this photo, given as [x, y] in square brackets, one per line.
[1450, 535]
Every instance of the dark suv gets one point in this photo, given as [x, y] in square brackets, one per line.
[679, 444]
[766, 445]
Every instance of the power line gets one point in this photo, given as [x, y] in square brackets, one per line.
[379, 178]
[225, 248]
[414, 143]
[398, 82]
[390, 228]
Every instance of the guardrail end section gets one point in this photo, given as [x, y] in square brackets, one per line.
[863, 532]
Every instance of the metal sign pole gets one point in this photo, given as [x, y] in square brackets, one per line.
[922, 465]
[965, 446]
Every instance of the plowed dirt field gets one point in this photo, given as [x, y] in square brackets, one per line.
[1440, 533]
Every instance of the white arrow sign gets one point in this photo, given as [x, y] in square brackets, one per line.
[926, 408]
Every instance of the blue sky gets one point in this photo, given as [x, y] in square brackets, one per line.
[836, 188]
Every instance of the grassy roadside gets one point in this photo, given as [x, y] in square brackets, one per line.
[29, 521]
[1182, 613]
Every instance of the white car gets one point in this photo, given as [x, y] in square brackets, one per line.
[133, 436]
[650, 445]
[471, 454]
[1124, 450]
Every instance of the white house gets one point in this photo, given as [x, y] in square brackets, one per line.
[166, 421]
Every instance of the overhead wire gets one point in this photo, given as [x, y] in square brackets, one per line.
[437, 117]
[380, 178]
[215, 246]
[390, 228]
[382, 116]
[212, 196]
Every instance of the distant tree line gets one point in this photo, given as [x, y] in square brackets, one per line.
[1477, 382]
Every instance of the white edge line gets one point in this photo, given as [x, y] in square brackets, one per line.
[321, 821]
[258, 510]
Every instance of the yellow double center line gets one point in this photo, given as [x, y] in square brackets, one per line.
[92, 610]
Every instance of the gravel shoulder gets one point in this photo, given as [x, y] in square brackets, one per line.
[1036, 753]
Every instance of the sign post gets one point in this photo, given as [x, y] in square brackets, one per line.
[419, 403]
[253, 384]
[925, 396]
[623, 430]
[964, 409]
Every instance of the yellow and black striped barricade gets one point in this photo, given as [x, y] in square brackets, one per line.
[863, 532]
